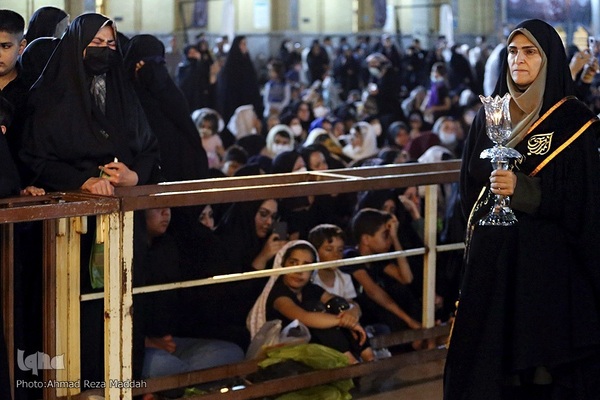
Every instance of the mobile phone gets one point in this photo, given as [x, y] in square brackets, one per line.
[592, 45]
[280, 228]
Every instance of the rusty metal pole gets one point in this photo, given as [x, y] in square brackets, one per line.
[117, 230]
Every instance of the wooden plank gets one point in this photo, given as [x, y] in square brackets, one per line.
[408, 336]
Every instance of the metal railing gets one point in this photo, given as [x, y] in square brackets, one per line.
[64, 216]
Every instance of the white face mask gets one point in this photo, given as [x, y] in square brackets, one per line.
[278, 148]
[301, 169]
[376, 128]
[296, 130]
[375, 72]
[320, 111]
[447, 137]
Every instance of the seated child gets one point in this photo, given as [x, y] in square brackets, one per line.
[329, 241]
[385, 296]
[292, 296]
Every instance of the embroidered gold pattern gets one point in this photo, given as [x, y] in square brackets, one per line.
[539, 144]
[563, 146]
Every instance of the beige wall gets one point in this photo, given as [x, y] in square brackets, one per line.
[475, 16]
[315, 16]
[26, 8]
[156, 16]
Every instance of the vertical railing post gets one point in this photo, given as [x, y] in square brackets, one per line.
[68, 307]
[117, 229]
[430, 258]
[49, 300]
[8, 296]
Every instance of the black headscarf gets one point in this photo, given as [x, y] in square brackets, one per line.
[284, 162]
[43, 23]
[68, 137]
[35, 56]
[181, 151]
[558, 82]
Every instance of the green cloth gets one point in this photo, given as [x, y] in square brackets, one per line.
[318, 357]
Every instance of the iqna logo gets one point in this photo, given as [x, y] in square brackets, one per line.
[37, 361]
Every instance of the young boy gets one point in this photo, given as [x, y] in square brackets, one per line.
[384, 295]
[329, 241]
[12, 86]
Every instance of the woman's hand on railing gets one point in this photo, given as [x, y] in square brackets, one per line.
[98, 186]
[33, 191]
[119, 174]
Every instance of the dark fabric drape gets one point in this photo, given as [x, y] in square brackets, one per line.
[181, 151]
[67, 137]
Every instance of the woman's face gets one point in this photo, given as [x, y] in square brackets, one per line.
[299, 165]
[303, 112]
[263, 220]
[389, 206]
[281, 140]
[317, 161]
[104, 37]
[207, 218]
[244, 46]
[297, 280]
[524, 60]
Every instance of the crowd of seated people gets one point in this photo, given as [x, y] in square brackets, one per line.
[84, 107]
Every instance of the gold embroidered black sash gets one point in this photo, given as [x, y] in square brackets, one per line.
[554, 131]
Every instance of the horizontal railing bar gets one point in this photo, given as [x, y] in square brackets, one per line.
[264, 273]
[270, 272]
[231, 195]
[55, 205]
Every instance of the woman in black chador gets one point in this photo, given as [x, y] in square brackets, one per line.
[237, 82]
[86, 114]
[89, 132]
[528, 322]
[181, 152]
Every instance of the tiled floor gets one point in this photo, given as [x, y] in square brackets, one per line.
[418, 382]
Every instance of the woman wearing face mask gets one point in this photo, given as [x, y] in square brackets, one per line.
[450, 133]
[438, 101]
[181, 152]
[279, 139]
[386, 91]
[87, 118]
[88, 131]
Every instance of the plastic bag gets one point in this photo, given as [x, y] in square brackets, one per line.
[295, 332]
[97, 265]
[267, 335]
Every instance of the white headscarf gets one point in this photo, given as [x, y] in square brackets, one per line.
[242, 122]
[369, 145]
[258, 314]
